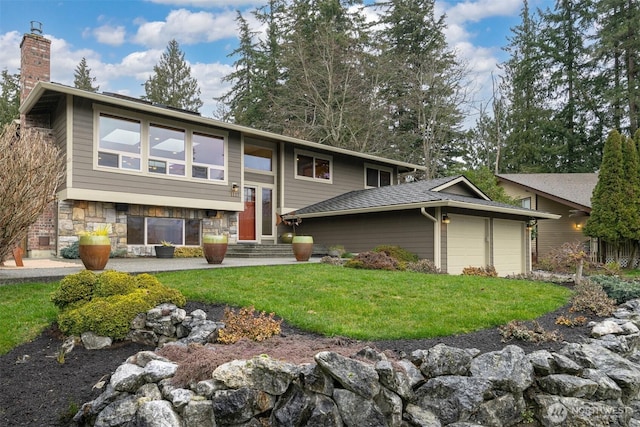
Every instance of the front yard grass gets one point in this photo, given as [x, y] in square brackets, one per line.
[333, 301]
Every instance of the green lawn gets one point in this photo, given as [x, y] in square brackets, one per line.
[330, 300]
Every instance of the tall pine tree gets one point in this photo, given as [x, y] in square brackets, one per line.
[527, 147]
[82, 77]
[424, 84]
[172, 84]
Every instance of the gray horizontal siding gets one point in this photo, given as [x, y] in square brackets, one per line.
[85, 177]
[348, 175]
[357, 233]
[259, 177]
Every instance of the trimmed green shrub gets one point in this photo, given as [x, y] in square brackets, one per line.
[107, 303]
[372, 261]
[113, 282]
[619, 289]
[188, 252]
[73, 288]
[147, 281]
[397, 253]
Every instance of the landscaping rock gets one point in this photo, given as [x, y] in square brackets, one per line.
[590, 384]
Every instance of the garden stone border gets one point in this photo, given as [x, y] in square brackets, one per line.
[593, 383]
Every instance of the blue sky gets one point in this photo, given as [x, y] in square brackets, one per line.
[123, 39]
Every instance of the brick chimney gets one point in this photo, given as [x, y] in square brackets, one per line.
[35, 60]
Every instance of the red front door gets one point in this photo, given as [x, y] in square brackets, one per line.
[248, 216]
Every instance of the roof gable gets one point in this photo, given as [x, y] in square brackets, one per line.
[572, 189]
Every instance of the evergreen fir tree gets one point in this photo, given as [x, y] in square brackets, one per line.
[172, 84]
[82, 77]
[608, 202]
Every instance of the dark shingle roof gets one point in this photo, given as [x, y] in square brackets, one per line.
[573, 187]
[384, 198]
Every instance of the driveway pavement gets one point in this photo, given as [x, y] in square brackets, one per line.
[47, 270]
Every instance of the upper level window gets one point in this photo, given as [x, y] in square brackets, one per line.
[166, 150]
[158, 149]
[119, 143]
[377, 177]
[526, 203]
[313, 166]
[258, 158]
[208, 157]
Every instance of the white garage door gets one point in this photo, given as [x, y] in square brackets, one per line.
[508, 247]
[467, 243]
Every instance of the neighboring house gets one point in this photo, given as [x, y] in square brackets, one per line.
[156, 173]
[448, 220]
[565, 194]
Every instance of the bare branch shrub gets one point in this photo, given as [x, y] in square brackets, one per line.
[31, 168]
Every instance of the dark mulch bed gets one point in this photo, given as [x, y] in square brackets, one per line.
[36, 390]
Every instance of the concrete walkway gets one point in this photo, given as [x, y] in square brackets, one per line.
[48, 270]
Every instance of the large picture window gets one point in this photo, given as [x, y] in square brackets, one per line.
[155, 149]
[153, 231]
[119, 142]
[208, 157]
[313, 166]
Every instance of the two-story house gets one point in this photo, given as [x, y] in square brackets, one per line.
[156, 173]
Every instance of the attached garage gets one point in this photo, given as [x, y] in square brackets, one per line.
[509, 241]
[447, 220]
[467, 243]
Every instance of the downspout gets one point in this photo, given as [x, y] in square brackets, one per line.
[437, 249]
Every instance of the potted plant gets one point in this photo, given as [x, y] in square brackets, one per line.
[302, 247]
[214, 247]
[165, 249]
[94, 248]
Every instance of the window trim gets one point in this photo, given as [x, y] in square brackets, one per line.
[379, 169]
[145, 121]
[315, 156]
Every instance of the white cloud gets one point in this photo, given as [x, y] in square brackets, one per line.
[110, 35]
[233, 4]
[187, 28]
[10, 51]
[475, 11]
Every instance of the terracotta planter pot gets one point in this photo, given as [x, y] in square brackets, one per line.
[302, 247]
[214, 248]
[94, 251]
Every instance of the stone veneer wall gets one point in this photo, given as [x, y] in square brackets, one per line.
[77, 216]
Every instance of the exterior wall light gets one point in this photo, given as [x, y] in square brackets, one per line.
[235, 189]
[446, 219]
